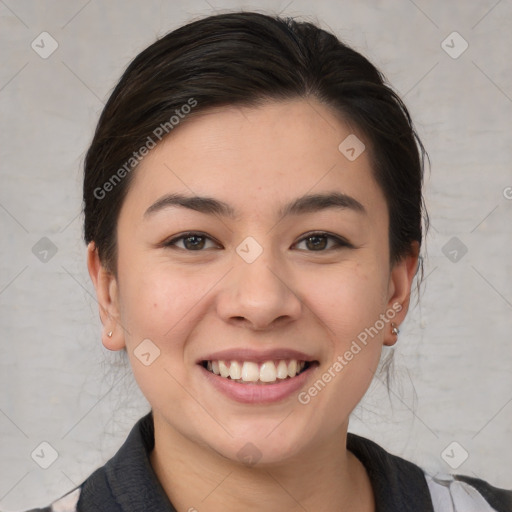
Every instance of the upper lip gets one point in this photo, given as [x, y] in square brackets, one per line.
[258, 356]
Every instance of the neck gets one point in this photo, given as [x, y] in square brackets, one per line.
[324, 478]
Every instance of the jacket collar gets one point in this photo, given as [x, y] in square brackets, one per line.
[398, 485]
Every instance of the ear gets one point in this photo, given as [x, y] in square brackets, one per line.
[107, 294]
[399, 289]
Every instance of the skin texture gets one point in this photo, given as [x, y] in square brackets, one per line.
[189, 303]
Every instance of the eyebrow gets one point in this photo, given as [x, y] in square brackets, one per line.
[302, 205]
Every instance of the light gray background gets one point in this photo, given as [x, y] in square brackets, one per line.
[454, 355]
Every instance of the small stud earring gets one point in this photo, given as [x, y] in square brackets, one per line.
[394, 329]
[109, 334]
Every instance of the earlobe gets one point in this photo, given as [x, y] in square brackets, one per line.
[107, 294]
[400, 284]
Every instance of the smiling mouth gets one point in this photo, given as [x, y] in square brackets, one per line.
[250, 372]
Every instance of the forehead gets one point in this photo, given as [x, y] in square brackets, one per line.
[253, 156]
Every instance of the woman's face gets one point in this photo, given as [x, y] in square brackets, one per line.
[254, 285]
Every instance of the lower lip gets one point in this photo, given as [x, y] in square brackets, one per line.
[258, 393]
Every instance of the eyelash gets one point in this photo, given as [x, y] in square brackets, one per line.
[339, 242]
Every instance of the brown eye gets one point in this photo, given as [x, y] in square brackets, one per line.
[190, 242]
[194, 242]
[318, 242]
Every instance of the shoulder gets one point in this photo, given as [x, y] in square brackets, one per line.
[460, 493]
[399, 484]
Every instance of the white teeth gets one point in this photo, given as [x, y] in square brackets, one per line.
[224, 369]
[268, 372]
[249, 371]
[292, 368]
[235, 371]
[282, 370]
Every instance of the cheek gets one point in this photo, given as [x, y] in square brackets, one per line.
[161, 305]
[349, 303]
[154, 301]
[348, 299]
[165, 303]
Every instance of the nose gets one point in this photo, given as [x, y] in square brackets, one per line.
[259, 295]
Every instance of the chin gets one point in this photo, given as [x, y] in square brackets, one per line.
[262, 443]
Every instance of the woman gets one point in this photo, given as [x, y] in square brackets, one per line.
[253, 212]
